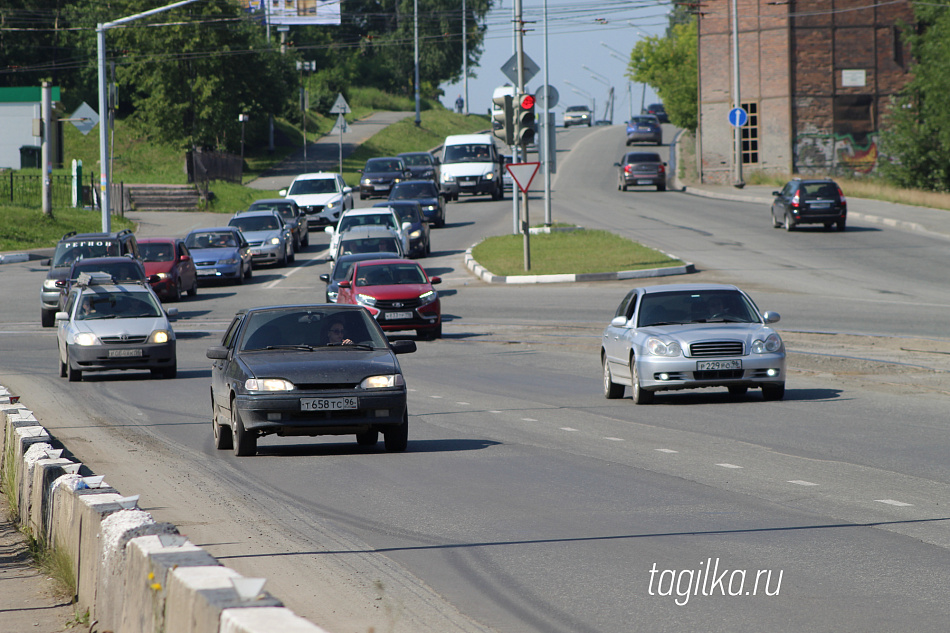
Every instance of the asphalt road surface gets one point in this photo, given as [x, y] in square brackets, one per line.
[526, 501]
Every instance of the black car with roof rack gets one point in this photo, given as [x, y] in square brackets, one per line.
[74, 246]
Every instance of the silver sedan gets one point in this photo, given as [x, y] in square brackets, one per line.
[689, 336]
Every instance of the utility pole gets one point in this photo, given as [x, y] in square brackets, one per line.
[465, 55]
[45, 158]
[415, 34]
[519, 42]
[736, 96]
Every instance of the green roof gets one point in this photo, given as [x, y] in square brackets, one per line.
[26, 94]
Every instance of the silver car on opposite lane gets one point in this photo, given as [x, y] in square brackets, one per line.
[690, 336]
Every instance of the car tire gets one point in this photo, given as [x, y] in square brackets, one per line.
[239, 280]
[176, 291]
[62, 369]
[661, 187]
[169, 373]
[369, 438]
[74, 375]
[193, 291]
[396, 439]
[841, 225]
[640, 395]
[612, 390]
[245, 442]
[789, 225]
[775, 223]
[222, 432]
[737, 391]
[48, 317]
[305, 242]
[250, 270]
[773, 392]
[283, 257]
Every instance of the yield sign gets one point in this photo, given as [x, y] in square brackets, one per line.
[523, 174]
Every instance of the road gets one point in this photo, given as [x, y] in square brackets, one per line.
[526, 501]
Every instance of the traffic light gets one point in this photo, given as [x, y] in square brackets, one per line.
[526, 121]
[503, 119]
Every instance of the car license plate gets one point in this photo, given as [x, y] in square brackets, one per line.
[397, 315]
[207, 273]
[819, 205]
[125, 353]
[644, 182]
[329, 404]
[381, 187]
[712, 365]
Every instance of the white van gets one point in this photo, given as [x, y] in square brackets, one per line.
[472, 165]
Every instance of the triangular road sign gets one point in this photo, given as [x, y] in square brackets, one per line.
[340, 106]
[523, 174]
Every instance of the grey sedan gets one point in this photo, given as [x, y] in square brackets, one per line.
[690, 336]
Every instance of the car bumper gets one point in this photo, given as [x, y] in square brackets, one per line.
[819, 217]
[105, 357]
[210, 273]
[323, 218]
[570, 122]
[266, 254]
[165, 288]
[663, 374]
[644, 138]
[471, 185]
[421, 318]
[283, 414]
[644, 179]
[50, 300]
[376, 190]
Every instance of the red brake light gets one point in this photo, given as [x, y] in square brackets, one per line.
[661, 169]
[841, 195]
[795, 200]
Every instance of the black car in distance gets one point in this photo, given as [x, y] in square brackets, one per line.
[819, 201]
[307, 370]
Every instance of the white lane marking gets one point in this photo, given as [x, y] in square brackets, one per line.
[436, 397]
[614, 439]
[493, 411]
[568, 429]
[666, 450]
[801, 482]
[892, 502]
[412, 390]
[728, 465]
[464, 403]
[528, 420]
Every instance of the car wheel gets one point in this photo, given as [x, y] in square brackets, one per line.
[640, 395]
[773, 392]
[789, 225]
[305, 242]
[193, 291]
[828, 225]
[283, 257]
[841, 225]
[737, 391]
[47, 317]
[242, 275]
[74, 375]
[62, 369]
[396, 439]
[250, 270]
[661, 187]
[369, 438]
[176, 291]
[612, 390]
[169, 372]
[223, 439]
[775, 223]
[245, 442]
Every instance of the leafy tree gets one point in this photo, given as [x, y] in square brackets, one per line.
[915, 137]
[669, 65]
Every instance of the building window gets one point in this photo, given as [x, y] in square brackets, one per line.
[750, 135]
[854, 117]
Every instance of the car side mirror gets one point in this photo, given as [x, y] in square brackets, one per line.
[406, 226]
[325, 278]
[344, 284]
[403, 347]
[218, 352]
[776, 193]
[60, 283]
[616, 164]
[328, 230]
[171, 313]
[620, 321]
[185, 258]
[348, 189]
[154, 279]
[61, 316]
[46, 262]
[283, 193]
[771, 317]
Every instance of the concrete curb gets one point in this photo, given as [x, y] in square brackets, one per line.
[134, 575]
[487, 276]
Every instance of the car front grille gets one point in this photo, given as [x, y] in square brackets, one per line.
[210, 262]
[718, 374]
[314, 208]
[326, 386]
[398, 304]
[708, 349]
[117, 340]
[257, 243]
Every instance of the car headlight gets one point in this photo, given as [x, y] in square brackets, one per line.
[274, 240]
[448, 178]
[415, 234]
[771, 344]
[366, 299]
[159, 336]
[268, 384]
[428, 297]
[229, 262]
[49, 284]
[334, 203]
[383, 382]
[489, 176]
[367, 182]
[658, 347]
[431, 207]
[86, 339]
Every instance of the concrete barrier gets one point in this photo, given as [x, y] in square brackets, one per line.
[133, 574]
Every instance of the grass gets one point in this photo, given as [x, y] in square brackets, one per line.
[24, 228]
[584, 251]
[55, 564]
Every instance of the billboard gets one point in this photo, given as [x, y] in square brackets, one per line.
[293, 12]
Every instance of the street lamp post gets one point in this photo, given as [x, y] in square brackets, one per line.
[617, 55]
[242, 118]
[596, 76]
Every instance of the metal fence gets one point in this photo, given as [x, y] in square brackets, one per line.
[26, 190]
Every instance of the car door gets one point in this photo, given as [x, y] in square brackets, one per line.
[220, 368]
[186, 266]
[617, 338]
[781, 202]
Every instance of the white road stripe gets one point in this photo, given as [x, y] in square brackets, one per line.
[801, 482]
[569, 429]
[892, 502]
[666, 450]
[614, 439]
[728, 465]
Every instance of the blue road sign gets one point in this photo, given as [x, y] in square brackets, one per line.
[738, 117]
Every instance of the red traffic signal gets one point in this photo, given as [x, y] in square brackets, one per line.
[527, 102]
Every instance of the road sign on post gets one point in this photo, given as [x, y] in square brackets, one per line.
[738, 117]
[523, 174]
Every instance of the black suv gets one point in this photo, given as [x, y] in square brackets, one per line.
[817, 201]
[74, 246]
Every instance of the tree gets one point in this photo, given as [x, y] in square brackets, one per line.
[915, 137]
[669, 65]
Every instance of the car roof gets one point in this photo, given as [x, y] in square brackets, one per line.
[414, 154]
[215, 229]
[577, 108]
[256, 213]
[416, 181]
[392, 260]
[374, 210]
[158, 240]
[317, 175]
[274, 201]
[321, 307]
[687, 288]
[469, 139]
[358, 257]
[112, 259]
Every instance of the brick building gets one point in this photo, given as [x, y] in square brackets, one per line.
[815, 77]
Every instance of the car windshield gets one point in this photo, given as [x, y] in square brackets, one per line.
[286, 210]
[216, 239]
[698, 306]
[369, 245]
[413, 191]
[643, 120]
[313, 185]
[256, 223]
[408, 212]
[370, 219]
[68, 252]
[473, 153]
[380, 164]
[308, 328]
[157, 252]
[389, 275]
[578, 109]
[417, 160]
[117, 305]
[119, 271]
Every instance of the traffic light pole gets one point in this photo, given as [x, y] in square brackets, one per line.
[519, 43]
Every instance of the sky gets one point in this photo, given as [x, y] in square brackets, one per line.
[579, 34]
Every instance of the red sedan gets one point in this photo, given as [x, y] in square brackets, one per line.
[398, 293]
[168, 259]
